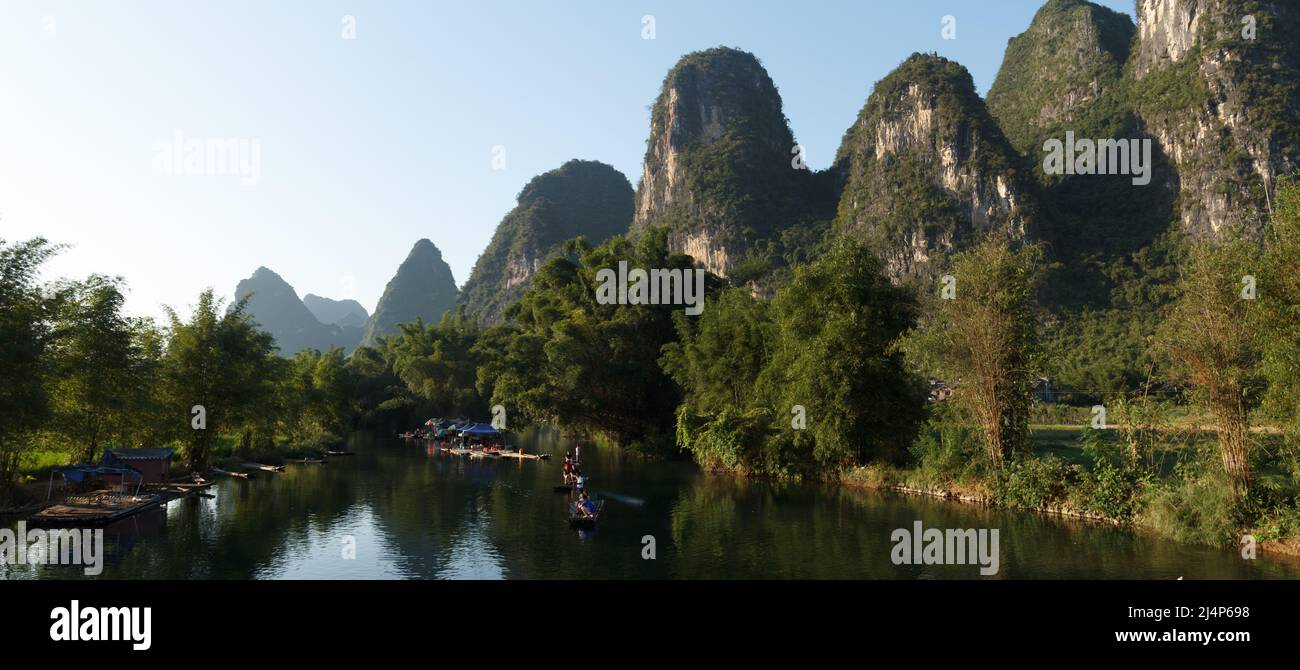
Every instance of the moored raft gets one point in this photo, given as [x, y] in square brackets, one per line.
[264, 468]
[96, 509]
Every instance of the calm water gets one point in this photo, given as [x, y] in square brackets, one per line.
[415, 513]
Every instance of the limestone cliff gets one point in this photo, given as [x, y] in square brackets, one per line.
[720, 169]
[927, 169]
[1217, 83]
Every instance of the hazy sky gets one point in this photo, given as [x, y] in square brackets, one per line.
[368, 144]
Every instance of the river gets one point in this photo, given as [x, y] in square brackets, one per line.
[399, 510]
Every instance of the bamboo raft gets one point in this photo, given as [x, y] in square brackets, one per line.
[98, 508]
[521, 455]
[227, 473]
[306, 461]
[264, 468]
[182, 488]
[579, 520]
[340, 453]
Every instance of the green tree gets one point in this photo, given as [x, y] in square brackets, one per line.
[94, 355]
[220, 363]
[984, 341]
[437, 362]
[835, 355]
[1208, 339]
[25, 332]
[585, 366]
[1278, 310]
[720, 354]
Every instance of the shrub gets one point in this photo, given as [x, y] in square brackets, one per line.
[1034, 483]
[1113, 486]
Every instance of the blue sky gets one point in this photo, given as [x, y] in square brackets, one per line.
[368, 144]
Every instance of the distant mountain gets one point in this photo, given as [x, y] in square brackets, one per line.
[337, 312]
[580, 198]
[274, 305]
[423, 288]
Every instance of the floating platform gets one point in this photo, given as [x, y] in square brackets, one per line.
[306, 461]
[98, 508]
[227, 473]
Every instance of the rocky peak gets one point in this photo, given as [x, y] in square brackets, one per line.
[422, 288]
[1072, 54]
[718, 169]
[927, 168]
[578, 199]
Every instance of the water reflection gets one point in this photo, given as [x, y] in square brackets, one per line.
[408, 510]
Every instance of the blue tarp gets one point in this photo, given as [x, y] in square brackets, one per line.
[479, 430]
[77, 473]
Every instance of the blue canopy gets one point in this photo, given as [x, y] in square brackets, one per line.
[77, 473]
[479, 430]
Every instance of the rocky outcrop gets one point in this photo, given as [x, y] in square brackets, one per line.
[422, 288]
[579, 199]
[927, 169]
[1222, 102]
[719, 170]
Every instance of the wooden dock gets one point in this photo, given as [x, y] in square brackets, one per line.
[98, 508]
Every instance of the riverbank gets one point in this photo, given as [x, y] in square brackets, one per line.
[33, 492]
[1166, 481]
[915, 481]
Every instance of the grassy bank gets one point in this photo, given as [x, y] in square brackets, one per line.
[229, 452]
[1168, 482]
